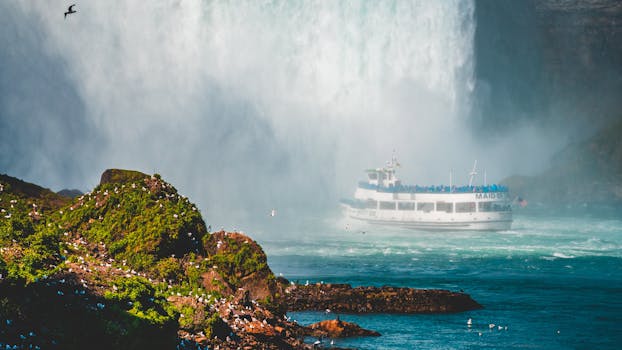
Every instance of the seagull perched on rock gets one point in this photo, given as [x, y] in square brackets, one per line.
[70, 10]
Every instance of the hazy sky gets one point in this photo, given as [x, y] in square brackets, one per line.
[246, 105]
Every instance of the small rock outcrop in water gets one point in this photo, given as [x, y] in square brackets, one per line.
[339, 329]
[344, 298]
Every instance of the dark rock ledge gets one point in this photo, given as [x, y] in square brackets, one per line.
[343, 298]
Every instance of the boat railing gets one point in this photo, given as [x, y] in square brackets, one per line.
[434, 189]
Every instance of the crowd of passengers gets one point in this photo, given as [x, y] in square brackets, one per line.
[435, 189]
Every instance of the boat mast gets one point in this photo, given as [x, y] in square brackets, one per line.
[450, 178]
[473, 173]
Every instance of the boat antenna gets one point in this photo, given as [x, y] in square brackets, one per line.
[473, 173]
[485, 181]
[450, 178]
[394, 161]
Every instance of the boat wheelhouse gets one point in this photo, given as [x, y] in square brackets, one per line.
[383, 199]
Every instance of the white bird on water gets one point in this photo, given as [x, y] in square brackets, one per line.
[273, 212]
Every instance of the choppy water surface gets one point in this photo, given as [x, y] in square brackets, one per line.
[555, 282]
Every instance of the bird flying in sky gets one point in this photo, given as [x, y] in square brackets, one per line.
[70, 10]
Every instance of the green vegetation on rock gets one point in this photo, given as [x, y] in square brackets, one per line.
[130, 263]
[141, 300]
[237, 259]
[29, 241]
[140, 222]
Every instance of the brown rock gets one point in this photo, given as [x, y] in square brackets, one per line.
[339, 329]
[212, 281]
[201, 340]
[259, 328]
[258, 284]
[255, 278]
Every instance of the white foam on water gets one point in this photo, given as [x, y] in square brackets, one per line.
[563, 256]
[541, 237]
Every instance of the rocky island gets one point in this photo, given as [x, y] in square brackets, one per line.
[131, 265]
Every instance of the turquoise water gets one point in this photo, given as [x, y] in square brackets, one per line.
[555, 282]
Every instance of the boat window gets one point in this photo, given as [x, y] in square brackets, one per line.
[387, 205]
[425, 206]
[501, 207]
[370, 204]
[406, 206]
[372, 176]
[465, 207]
[444, 206]
[485, 206]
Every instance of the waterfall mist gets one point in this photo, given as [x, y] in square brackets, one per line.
[246, 106]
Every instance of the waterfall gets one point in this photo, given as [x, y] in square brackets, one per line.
[300, 94]
[345, 83]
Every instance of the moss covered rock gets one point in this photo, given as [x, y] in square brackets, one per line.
[242, 265]
[29, 238]
[141, 222]
[129, 264]
[121, 176]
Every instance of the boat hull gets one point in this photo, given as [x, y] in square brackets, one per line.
[495, 221]
[498, 225]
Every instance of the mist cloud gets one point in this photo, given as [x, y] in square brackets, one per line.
[246, 105]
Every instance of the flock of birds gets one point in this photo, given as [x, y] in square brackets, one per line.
[491, 326]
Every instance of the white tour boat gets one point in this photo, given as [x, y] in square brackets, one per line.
[383, 199]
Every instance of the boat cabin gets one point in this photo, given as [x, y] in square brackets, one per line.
[384, 177]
